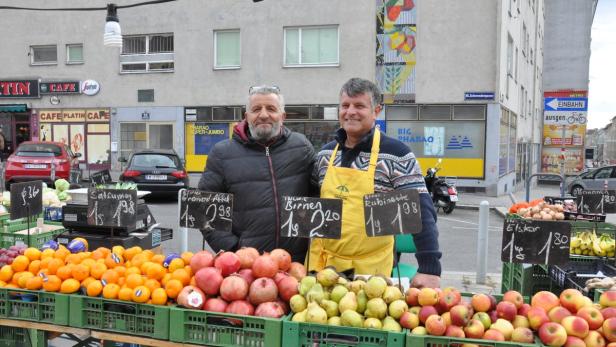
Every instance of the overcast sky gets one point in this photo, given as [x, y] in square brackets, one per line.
[602, 89]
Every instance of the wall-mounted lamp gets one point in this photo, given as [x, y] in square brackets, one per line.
[113, 32]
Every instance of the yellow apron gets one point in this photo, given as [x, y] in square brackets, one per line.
[368, 255]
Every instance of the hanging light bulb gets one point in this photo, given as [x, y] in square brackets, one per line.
[113, 32]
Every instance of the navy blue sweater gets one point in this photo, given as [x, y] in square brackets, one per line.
[397, 169]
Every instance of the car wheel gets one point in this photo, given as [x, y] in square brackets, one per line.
[576, 190]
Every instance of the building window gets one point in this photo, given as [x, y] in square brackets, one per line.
[43, 55]
[516, 57]
[74, 53]
[510, 55]
[147, 53]
[145, 95]
[311, 46]
[525, 45]
[227, 49]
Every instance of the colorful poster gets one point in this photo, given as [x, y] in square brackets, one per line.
[77, 142]
[396, 31]
[573, 135]
[207, 135]
[551, 159]
[45, 133]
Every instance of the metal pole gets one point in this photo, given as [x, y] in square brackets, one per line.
[562, 164]
[482, 242]
[183, 231]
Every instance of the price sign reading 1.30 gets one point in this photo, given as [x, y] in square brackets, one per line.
[112, 207]
[206, 210]
[392, 213]
[311, 217]
[535, 242]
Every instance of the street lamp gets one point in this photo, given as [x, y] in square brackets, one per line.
[113, 32]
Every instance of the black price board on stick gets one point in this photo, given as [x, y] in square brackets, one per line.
[311, 217]
[535, 242]
[206, 210]
[392, 213]
[112, 207]
[26, 199]
[596, 201]
[101, 177]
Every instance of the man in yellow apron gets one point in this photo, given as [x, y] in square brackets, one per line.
[362, 161]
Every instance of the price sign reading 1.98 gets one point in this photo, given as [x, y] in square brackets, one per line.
[206, 210]
[392, 213]
[26, 199]
[311, 217]
[112, 207]
[597, 201]
[535, 242]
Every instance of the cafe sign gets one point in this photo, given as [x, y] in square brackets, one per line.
[62, 87]
[73, 115]
[11, 89]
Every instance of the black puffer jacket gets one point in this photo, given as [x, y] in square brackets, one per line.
[242, 167]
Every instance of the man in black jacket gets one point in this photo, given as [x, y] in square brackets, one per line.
[260, 164]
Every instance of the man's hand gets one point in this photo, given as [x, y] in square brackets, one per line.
[426, 281]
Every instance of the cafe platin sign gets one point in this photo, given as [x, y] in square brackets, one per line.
[19, 89]
[61, 87]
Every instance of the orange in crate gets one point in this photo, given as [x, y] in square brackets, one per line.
[173, 288]
[52, 283]
[187, 256]
[131, 252]
[32, 253]
[87, 281]
[23, 278]
[6, 273]
[134, 280]
[113, 260]
[20, 263]
[73, 259]
[80, 272]
[110, 276]
[53, 265]
[110, 291]
[64, 272]
[47, 253]
[156, 271]
[151, 284]
[69, 286]
[141, 294]
[95, 288]
[125, 294]
[159, 296]
[182, 275]
[97, 270]
[34, 283]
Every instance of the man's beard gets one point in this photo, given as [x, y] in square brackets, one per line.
[261, 134]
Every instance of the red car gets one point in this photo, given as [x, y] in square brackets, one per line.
[33, 161]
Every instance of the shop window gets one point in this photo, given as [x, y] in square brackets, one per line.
[147, 53]
[297, 112]
[226, 113]
[434, 112]
[468, 112]
[227, 49]
[44, 55]
[145, 95]
[401, 113]
[306, 46]
[132, 137]
[74, 54]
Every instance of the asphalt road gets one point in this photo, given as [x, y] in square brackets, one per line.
[457, 236]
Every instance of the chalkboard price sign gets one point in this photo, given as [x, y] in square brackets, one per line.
[311, 217]
[597, 201]
[112, 207]
[535, 242]
[206, 210]
[392, 213]
[101, 177]
[26, 199]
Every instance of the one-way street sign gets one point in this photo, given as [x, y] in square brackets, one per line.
[566, 104]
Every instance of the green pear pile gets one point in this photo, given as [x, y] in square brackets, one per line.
[329, 298]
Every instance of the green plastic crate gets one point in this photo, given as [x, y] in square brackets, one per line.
[308, 335]
[224, 329]
[413, 340]
[36, 240]
[526, 279]
[119, 316]
[14, 337]
[38, 306]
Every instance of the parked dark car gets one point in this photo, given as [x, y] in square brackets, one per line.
[155, 170]
[33, 160]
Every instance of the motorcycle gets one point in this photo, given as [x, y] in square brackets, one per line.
[444, 195]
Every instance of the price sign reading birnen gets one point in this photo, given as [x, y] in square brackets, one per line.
[206, 210]
[597, 201]
[26, 199]
[535, 242]
[101, 177]
[392, 213]
[311, 217]
[112, 207]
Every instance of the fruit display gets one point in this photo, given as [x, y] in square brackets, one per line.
[570, 319]
[538, 210]
[329, 298]
[242, 282]
[588, 243]
[7, 255]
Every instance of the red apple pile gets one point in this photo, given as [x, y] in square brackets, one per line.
[243, 282]
[571, 320]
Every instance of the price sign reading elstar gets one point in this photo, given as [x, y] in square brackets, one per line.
[311, 217]
[597, 201]
[392, 213]
[535, 242]
[206, 210]
[26, 199]
[112, 207]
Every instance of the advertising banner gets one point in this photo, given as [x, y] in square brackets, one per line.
[552, 157]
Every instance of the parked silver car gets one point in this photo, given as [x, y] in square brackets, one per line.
[593, 179]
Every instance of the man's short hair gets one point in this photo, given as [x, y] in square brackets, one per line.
[265, 90]
[357, 86]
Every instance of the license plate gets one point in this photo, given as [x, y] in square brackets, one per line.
[156, 177]
[454, 198]
[35, 166]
